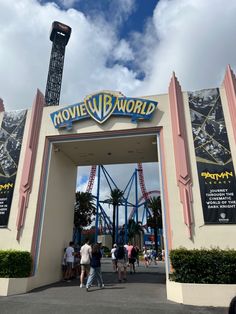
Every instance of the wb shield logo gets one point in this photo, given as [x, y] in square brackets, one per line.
[100, 106]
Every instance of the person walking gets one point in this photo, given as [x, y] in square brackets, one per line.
[145, 255]
[85, 257]
[95, 267]
[113, 258]
[137, 255]
[132, 259]
[121, 255]
[130, 248]
[70, 252]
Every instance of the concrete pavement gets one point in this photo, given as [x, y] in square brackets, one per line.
[143, 293]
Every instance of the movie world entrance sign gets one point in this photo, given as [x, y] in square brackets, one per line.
[101, 106]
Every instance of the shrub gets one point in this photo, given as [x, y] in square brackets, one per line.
[212, 266]
[15, 264]
[107, 251]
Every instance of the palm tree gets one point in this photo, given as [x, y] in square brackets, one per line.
[83, 211]
[155, 220]
[116, 198]
[134, 228]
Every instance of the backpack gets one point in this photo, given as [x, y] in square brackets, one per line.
[120, 253]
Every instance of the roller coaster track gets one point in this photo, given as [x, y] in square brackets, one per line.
[91, 179]
[148, 195]
[142, 182]
[140, 175]
[145, 194]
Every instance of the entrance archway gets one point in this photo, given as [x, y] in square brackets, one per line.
[62, 155]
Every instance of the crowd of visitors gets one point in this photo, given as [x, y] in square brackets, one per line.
[85, 263]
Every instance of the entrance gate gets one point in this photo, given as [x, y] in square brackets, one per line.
[108, 128]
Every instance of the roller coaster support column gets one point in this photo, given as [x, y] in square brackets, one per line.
[97, 207]
[136, 195]
[126, 221]
[117, 223]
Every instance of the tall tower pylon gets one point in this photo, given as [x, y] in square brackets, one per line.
[60, 35]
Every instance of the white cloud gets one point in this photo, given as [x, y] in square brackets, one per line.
[193, 38]
[123, 51]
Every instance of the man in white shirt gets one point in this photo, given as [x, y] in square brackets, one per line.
[86, 254]
[69, 260]
[113, 258]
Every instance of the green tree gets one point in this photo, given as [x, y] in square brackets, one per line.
[155, 220]
[116, 199]
[84, 210]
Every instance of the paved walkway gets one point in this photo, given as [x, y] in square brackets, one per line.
[143, 293]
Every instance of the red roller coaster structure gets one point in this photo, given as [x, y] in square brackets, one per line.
[145, 194]
[140, 175]
[91, 179]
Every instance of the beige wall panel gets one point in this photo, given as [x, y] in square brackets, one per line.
[58, 217]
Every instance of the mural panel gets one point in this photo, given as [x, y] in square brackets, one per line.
[214, 161]
[11, 135]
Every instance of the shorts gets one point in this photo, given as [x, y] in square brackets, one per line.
[85, 267]
[69, 265]
[121, 264]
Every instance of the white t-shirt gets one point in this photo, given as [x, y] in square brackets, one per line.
[113, 253]
[70, 254]
[86, 253]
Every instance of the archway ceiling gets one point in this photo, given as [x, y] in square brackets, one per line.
[115, 150]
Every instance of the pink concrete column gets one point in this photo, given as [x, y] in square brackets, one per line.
[41, 193]
[2, 108]
[230, 89]
[165, 187]
[182, 163]
[29, 161]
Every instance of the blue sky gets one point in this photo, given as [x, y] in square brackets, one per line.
[135, 21]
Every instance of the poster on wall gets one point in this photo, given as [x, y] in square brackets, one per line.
[11, 135]
[214, 161]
